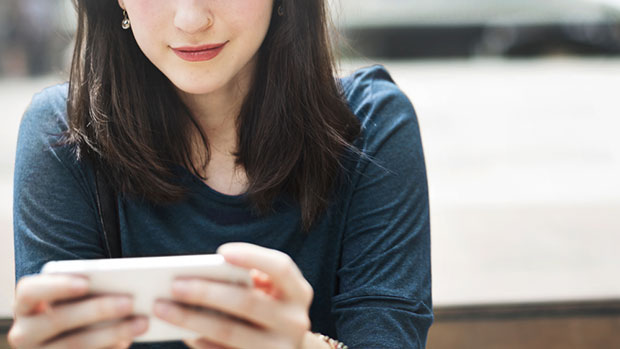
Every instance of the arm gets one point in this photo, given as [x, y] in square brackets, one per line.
[54, 219]
[53, 208]
[384, 299]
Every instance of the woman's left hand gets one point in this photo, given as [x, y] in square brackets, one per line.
[274, 312]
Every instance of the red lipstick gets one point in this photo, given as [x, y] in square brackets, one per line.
[199, 53]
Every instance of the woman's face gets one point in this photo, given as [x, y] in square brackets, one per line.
[167, 31]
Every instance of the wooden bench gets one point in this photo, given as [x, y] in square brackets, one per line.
[579, 325]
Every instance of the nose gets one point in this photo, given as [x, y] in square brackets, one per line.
[193, 16]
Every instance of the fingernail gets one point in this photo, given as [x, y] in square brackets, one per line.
[123, 304]
[138, 325]
[223, 249]
[226, 250]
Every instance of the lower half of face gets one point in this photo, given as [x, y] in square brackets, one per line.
[178, 37]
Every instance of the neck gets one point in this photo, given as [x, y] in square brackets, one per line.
[216, 112]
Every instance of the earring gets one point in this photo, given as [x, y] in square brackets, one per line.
[281, 9]
[126, 23]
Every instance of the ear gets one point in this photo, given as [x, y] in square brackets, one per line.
[121, 3]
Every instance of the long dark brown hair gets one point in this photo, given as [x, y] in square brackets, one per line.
[293, 128]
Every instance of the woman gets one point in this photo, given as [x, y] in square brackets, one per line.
[220, 122]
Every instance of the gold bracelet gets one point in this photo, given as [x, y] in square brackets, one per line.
[333, 344]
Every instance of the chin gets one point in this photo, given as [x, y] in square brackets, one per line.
[196, 87]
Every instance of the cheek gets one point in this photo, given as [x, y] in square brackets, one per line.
[244, 10]
[250, 19]
[148, 18]
[145, 11]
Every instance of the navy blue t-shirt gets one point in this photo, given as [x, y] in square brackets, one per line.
[367, 257]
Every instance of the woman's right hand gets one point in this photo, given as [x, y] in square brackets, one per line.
[51, 312]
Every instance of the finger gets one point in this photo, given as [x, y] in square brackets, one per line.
[101, 336]
[69, 316]
[245, 303]
[32, 290]
[201, 343]
[121, 345]
[219, 329]
[283, 272]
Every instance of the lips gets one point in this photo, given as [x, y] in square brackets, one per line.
[199, 53]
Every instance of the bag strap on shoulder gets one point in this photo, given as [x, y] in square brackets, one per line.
[108, 215]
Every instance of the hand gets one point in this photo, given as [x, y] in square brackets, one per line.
[273, 314]
[51, 312]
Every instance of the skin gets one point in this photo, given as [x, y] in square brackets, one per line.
[274, 311]
[51, 311]
[47, 306]
[214, 89]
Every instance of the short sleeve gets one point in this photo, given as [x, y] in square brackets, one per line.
[54, 215]
[384, 298]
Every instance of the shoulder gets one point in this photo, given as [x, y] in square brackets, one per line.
[373, 86]
[43, 126]
[46, 115]
[40, 145]
[380, 105]
[367, 79]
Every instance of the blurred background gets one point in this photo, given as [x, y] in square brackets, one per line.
[518, 103]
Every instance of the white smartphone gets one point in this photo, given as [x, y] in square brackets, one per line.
[150, 278]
